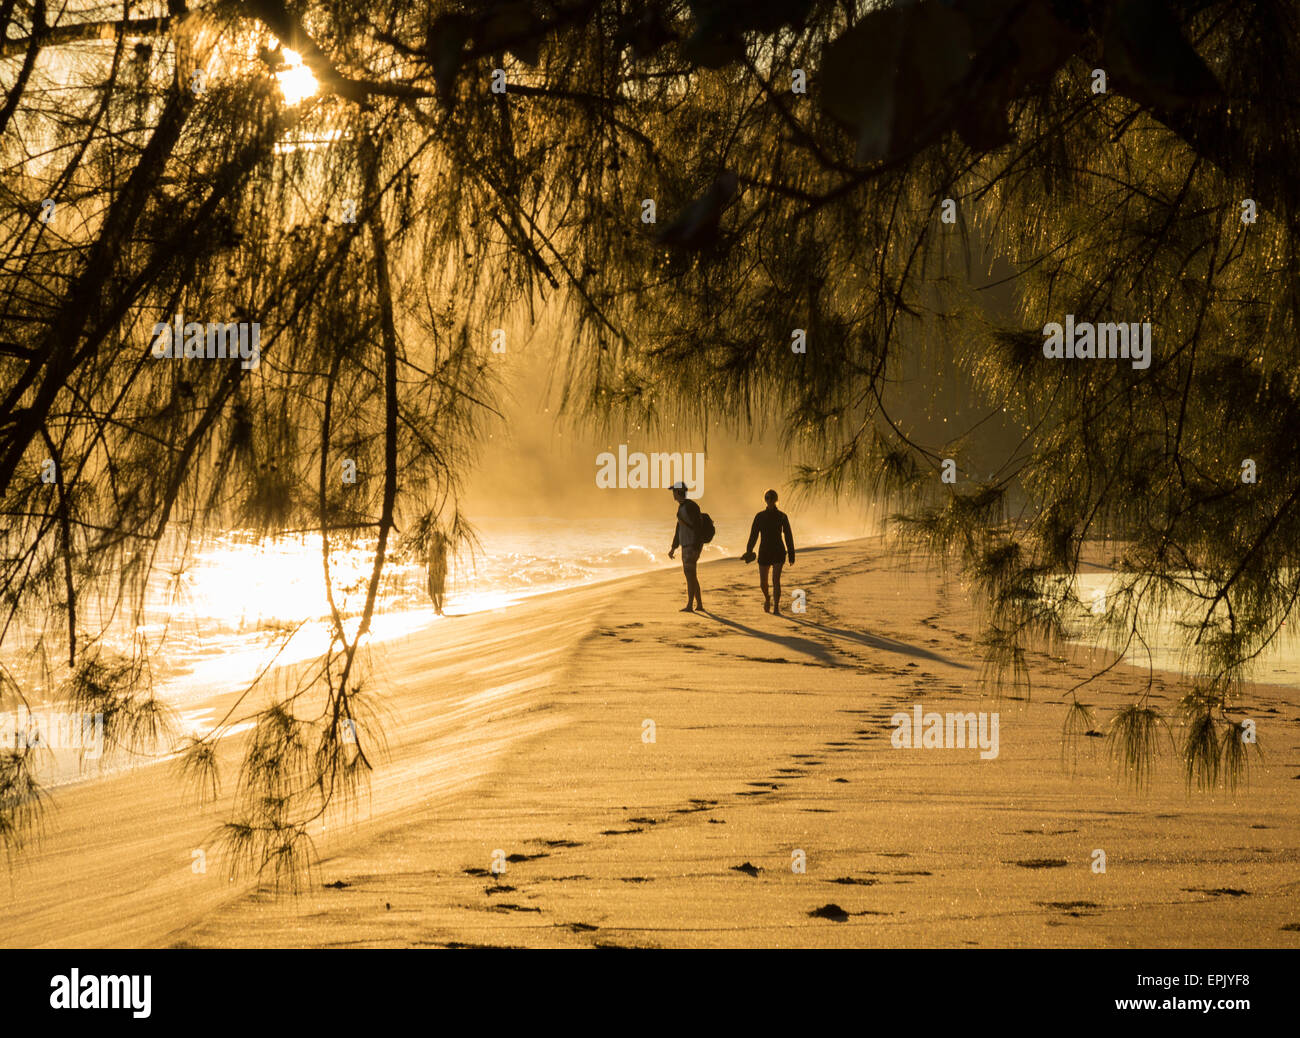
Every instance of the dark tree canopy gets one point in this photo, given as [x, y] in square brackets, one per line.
[799, 156]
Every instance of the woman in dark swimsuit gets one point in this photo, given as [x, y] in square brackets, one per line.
[773, 526]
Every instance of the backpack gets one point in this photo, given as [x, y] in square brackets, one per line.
[707, 529]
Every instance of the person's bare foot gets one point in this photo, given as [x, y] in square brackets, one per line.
[686, 609]
[767, 606]
[776, 611]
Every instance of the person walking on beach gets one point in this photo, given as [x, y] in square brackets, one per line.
[772, 525]
[436, 568]
[690, 536]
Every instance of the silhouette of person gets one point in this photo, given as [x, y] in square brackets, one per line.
[436, 568]
[689, 536]
[772, 525]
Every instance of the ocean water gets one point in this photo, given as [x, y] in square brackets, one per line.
[1166, 643]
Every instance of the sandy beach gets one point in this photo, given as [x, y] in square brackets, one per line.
[657, 779]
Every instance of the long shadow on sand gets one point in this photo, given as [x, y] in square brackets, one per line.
[876, 641]
[793, 642]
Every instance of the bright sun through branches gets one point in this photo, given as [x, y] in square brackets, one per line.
[296, 80]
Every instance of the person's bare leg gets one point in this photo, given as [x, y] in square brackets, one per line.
[688, 568]
[776, 586]
[693, 587]
[762, 582]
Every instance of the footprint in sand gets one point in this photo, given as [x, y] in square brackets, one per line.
[1039, 863]
[831, 911]
[467, 947]
[1218, 891]
[1071, 908]
[747, 868]
[620, 832]
[509, 906]
[517, 857]
[851, 881]
[898, 872]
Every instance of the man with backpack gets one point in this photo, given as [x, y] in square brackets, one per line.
[694, 530]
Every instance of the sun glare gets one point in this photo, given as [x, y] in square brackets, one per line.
[296, 80]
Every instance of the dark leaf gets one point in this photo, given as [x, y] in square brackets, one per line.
[894, 77]
[696, 227]
[1149, 59]
[645, 35]
[446, 49]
